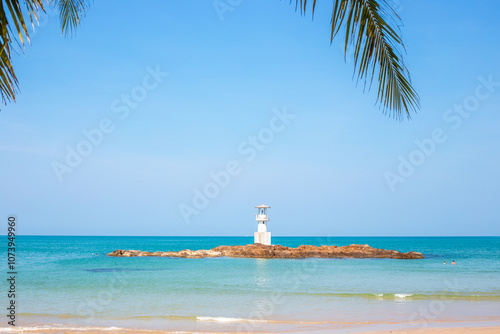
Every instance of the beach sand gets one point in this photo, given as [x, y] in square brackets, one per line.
[446, 330]
[454, 330]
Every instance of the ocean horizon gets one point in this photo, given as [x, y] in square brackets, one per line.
[70, 282]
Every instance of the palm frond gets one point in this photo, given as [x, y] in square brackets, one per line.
[14, 31]
[70, 14]
[11, 13]
[371, 26]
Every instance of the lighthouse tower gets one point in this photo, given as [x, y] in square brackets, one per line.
[262, 236]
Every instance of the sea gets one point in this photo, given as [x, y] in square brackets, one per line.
[68, 283]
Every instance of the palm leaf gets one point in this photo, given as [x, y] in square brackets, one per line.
[70, 14]
[371, 26]
[11, 15]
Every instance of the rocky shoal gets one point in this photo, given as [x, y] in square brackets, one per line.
[280, 252]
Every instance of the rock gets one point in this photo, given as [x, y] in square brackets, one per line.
[280, 252]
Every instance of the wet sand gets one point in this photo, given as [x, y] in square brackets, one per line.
[443, 330]
[453, 330]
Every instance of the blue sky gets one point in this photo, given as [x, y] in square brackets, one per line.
[324, 170]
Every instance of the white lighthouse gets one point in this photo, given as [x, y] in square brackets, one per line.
[262, 236]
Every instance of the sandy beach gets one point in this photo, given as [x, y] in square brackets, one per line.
[452, 330]
[449, 328]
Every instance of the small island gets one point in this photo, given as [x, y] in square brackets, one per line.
[279, 252]
[262, 248]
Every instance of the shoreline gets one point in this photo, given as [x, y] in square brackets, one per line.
[456, 327]
[387, 323]
[442, 330]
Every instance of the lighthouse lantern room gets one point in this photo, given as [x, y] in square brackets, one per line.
[262, 236]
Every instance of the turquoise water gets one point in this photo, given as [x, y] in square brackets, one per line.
[61, 283]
